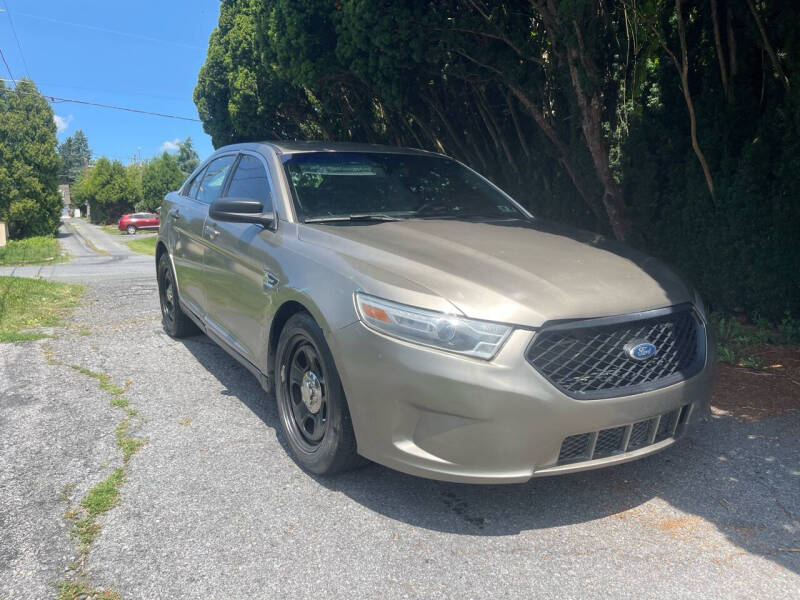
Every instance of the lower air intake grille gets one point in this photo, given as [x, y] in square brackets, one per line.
[609, 442]
[592, 358]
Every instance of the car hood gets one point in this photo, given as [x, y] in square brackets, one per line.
[520, 272]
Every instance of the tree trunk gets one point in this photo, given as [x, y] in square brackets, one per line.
[592, 127]
[723, 72]
[494, 131]
[683, 69]
[580, 67]
[768, 47]
[561, 148]
[523, 144]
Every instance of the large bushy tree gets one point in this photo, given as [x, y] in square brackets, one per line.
[160, 176]
[109, 189]
[671, 124]
[29, 164]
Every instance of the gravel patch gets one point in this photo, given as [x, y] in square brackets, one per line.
[212, 507]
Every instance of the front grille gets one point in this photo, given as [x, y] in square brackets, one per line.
[587, 359]
[624, 438]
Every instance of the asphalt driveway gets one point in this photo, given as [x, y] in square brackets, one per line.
[212, 507]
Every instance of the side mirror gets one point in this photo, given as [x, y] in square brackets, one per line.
[240, 210]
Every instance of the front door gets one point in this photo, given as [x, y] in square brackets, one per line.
[242, 271]
[188, 220]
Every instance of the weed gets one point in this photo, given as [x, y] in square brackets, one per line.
[736, 341]
[27, 304]
[105, 495]
[119, 402]
[103, 379]
[30, 251]
[790, 329]
[66, 492]
[86, 531]
[128, 445]
[73, 590]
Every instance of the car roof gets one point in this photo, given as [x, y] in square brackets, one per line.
[296, 147]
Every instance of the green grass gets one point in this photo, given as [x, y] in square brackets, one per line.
[105, 495]
[27, 304]
[30, 251]
[75, 590]
[128, 445]
[144, 245]
[112, 229]
[86, 530]
[104, 381]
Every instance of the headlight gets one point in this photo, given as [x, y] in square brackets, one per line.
[438, 330]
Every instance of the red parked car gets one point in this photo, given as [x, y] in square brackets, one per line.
[131, 223]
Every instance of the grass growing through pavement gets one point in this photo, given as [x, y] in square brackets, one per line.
[31, 303]
[104, 381]
[102, 497]
[30, 250]
[144, 245]
[105, 495]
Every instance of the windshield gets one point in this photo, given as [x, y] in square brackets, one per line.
[326, 185]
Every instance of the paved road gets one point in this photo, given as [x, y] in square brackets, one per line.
[213, 508]
[94, 254]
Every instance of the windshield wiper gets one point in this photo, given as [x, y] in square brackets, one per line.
[357, 217]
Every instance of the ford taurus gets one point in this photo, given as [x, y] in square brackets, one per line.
[405, 310]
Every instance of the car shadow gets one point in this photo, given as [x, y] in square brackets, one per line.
[740, 478]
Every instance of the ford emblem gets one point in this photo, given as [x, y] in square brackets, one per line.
[640, 349]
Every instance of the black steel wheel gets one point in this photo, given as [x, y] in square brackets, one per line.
[174, 320]
[311, 402]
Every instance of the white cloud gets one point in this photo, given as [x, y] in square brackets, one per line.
[62, 122]
[169, 146]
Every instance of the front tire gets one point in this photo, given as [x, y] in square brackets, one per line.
[311, 403]
[176, 323]
[131, 230]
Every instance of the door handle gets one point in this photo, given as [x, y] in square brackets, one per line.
[211, 232]
[174, 214]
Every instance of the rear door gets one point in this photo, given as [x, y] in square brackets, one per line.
[242, 267]
[188, 221]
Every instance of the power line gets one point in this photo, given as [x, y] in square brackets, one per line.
[16, 37]
[5, 62]
[135, 36]
[111, 106]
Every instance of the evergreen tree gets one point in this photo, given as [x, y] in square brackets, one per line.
[29, 164]
[160, 176]
[75, 156]
[188, 158]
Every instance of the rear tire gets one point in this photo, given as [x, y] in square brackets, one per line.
[311, 403]
[176, 323]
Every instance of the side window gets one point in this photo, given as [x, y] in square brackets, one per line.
[191, 190]
[213, 179]
[250, 181]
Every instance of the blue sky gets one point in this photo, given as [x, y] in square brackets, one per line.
[143, 55]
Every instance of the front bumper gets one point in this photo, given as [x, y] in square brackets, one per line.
[448, 417]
